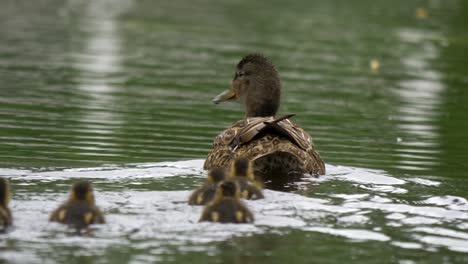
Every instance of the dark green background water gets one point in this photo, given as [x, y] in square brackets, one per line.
[89, 83]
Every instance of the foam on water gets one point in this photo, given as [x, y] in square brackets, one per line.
[147, 218]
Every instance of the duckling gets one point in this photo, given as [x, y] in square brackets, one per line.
[242, 174]
[5, 213]
[275, 145]
[80, 209]
[206, 192]
[227, 206]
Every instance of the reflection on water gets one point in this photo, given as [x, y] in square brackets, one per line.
[421, 102]
[101, 59]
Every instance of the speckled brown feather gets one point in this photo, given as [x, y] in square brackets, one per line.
[270, 150]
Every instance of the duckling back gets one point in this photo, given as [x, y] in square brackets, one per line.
[5, 213]
[227, 210]
[78, 214]
[5, 218]
[248, 190]
[242, 174]
[203, 194]
[206, 192]
[227, 207]
[80, 209]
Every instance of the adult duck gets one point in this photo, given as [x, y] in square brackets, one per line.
[274, 145]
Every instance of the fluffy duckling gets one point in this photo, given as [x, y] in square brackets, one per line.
[227, 206]
[242, 174]
[5, 214]
[206, 192]
[80, 209]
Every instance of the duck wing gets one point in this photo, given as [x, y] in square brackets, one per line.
[281, 126]
[258, 137]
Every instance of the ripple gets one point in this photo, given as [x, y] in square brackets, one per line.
[355, 234]
[451, 243]
[129, 83]
[436, 212]
[155, 220]
[362, 175]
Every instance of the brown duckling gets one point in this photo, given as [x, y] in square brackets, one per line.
[275, 146]
[242, 174]
[205, 193]
[80, 209]
[5, 195]
[227, 206]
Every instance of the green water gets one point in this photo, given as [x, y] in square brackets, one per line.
[120, 92]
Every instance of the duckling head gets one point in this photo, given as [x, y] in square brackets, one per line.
[256, 84]
[227, 189]
[4, 192]
[82, 191]
[216, 175]
[242, 168]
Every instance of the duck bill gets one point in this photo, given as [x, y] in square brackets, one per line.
[225, 96]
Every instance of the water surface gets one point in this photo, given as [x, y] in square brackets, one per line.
[119, 92]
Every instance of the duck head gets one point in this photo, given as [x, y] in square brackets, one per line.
[242, 168]
[256, 85]
[82, 191]
[216, 175]
[227, 189]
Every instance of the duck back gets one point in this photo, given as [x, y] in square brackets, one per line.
[275, 147]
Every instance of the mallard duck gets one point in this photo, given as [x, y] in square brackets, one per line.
[80, 209]
[206, 192]
[227, 206]
[5, 213]
[242, 174]
[275, 146]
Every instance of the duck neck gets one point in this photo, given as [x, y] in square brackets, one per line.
[261, 110]
[264, 99]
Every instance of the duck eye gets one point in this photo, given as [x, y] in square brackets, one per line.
[242, 74]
